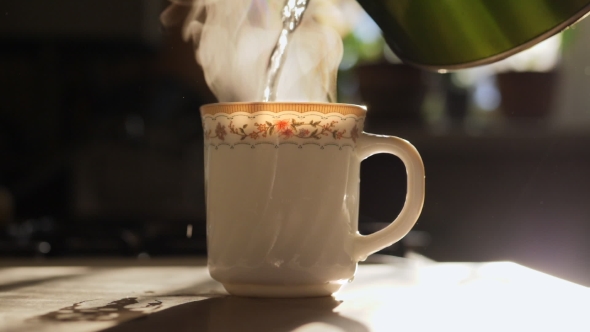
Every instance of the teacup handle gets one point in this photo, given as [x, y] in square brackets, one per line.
[369, 145]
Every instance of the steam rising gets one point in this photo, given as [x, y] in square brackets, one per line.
[233, 41]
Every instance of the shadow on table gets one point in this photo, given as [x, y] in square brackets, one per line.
[33, 282]
[230, 313]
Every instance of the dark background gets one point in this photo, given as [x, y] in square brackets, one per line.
[101, 145]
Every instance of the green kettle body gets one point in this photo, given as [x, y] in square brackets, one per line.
[455, 34]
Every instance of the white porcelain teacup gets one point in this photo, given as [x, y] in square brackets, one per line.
[282, 187]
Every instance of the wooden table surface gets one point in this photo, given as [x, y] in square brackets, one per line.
[179, 295]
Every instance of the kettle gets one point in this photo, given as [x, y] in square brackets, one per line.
[456, 34]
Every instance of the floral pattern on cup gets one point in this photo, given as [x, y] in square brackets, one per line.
[285, 129]
[321, 129]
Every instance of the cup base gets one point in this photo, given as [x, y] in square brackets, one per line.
[280, 291]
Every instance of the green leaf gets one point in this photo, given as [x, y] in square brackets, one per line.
[334, 134]
[269, 124]
[313, 133]
[271, 131]
[245, 126]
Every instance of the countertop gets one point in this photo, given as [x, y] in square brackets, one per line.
[396, 294]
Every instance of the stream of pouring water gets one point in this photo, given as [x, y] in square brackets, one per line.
[292, 14]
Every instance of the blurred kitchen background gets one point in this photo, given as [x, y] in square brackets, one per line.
[101, 143]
